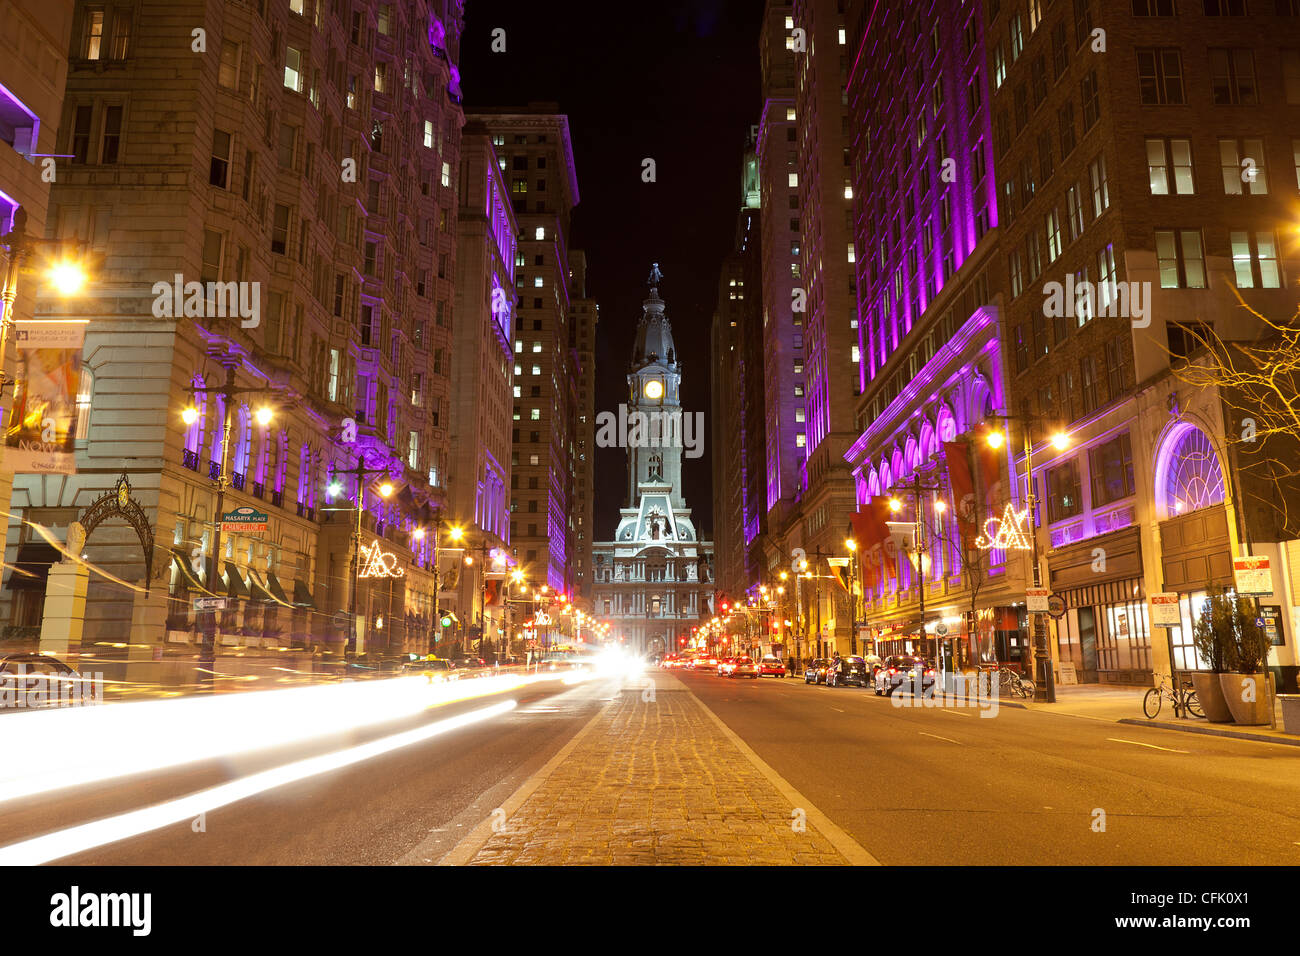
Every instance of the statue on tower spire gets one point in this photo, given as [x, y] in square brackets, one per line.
[655, 277]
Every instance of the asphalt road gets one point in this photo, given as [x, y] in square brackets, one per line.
[408, 806]
[945, 786]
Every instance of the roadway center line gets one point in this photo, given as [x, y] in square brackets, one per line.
[956, 713]
[937, 737]
[1139, 743]
[837, 710]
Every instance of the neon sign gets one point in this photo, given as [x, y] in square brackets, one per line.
[1006, 533]
[379, 564]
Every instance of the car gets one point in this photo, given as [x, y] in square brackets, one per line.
[725, 666]
[706, 663]
[38, 681]
[816, 671]
[903, 670]
[743, 667]
[469, 666]
[771, 666]
[434, 669]
[848, 670]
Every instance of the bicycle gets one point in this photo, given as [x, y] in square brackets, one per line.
[1020, 686]
[1184, 699]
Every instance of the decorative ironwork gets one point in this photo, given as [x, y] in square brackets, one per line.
[190, 460]
[119, 503]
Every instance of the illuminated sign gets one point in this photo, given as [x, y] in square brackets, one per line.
[1007, 533]
[379, 564]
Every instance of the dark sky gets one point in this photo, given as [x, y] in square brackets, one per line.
[673, 81]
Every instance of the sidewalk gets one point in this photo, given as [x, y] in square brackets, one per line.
[655, 778]
[1123, 705]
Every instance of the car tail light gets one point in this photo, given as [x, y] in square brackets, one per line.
[892, 671]
[930, 672]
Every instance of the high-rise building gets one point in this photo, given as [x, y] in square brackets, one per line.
[33, 69]
[299, 170]
[654, 581]
[534, 149]
[584, 314]
[737, 389]
[482, 362]
[1145, 156]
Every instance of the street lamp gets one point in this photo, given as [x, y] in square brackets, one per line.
[1060, 440]
[189, 415]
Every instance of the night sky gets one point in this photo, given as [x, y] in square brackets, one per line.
[674, 81]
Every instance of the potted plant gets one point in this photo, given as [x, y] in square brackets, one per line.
[1245, 684]
[1211, 634]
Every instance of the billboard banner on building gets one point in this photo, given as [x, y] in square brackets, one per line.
[42, 427]
[963, 488]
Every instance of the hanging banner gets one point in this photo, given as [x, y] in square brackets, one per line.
[42, 425]
[989, 462]
[963, 488]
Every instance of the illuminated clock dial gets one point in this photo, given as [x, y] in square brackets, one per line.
[654, 389]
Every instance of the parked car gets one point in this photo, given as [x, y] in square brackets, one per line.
[743, 667]
[38, 681]
[725, 666]
[816, 672]
[771, 666]
[903, 671]
[706, 663]
[848, 670]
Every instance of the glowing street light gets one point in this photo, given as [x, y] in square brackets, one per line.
[263, 415]
[386, 489]
[66, 277]
[190, 415]
[1060, 441]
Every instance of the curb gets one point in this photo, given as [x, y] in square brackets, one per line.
[1212, 731]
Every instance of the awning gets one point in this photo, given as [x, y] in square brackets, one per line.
[235, 586]
[301, 596]
[189, 580]
[32, 566]
[273, 585]
[258, 591]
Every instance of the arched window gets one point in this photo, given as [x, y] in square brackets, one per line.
[242, 446]
[304, 474]
[281, 466]
[193, 433]
[912, 456]
[886, 477]
[897, 465]
[947, 424]
[873, 483]
[218, 429]
[1188, 474]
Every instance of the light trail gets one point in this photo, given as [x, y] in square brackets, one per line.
[52, 750]
[89, 836]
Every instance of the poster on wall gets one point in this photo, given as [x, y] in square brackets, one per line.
[1164, 609]
[42, 426]
[1252, 575]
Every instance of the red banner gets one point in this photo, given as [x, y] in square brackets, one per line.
[989, 461]
[963, 488]
[875, 546]
[491, 592]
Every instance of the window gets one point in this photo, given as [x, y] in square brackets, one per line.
[1065, 125]
[1295, 156]
[1107, 287]
[1088, 379]
[93, 34]
[1242, 164]
[1053, 223]
[280, 229]
[219, 168]
[1110, 470]
[1063, 500]
[113, 136]
[1225, 8]
[1181, 258]
[1160, 77]
[1060, 51]
[213, 245]
[535, 414]
[293, 70]
[1116, 369]
[1091, 94]
[1291, 76]
[1254, 260]
[1153, 8]
[1099, 185]
[1046, 166]
[1232, 77]
[1082, 21]
[1017, 276]
[228, 73]
[1016, 28]
[1074, 211]
[81, 135]
[1169, 167]
[1022, 349]
[999, 74]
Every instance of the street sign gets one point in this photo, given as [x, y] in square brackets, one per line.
[210, 604]
[1056, 606]
[941, 629]
[1164, 609]
[1036, 600]
[1253, 575]
[244, 521]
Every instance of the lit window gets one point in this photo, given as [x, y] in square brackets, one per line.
[800, 440]
[537, 347]
[842, 37]
[293, 70]
[794, 180]
[428, 134]
[789, 23]
[537, 282]
[537, 370]
[517, 390]
[789, 114]
[535, 414]
[540, 235]
[852, 255]
[532, 460]
[446, 174]
[848, 190]
[857, 356]
[519, 346]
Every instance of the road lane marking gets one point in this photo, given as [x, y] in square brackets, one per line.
[956, 713]
[1139, 743]
[837, 710]
[89, 836]
[937, 737]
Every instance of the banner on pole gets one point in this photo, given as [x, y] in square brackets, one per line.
[42, 427]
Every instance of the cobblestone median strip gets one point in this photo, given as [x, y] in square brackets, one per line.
[657, 781]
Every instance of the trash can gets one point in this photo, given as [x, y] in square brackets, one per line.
[1290, 712]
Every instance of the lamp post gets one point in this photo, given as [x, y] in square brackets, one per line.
[189, 416]
[360, 472]
[920, 549]
[1045, 686]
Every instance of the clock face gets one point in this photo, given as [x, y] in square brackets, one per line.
[654, 389]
